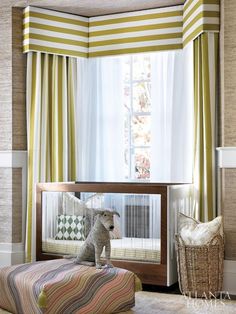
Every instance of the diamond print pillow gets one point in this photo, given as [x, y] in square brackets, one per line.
[70, 227]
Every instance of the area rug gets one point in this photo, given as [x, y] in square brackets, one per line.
[163, 303]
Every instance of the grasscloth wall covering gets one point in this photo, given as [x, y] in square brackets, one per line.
[6, 77]
[228, 120]
[6, 205]
[12, 78]
[142, 31]
[12, 119]
[18, 84]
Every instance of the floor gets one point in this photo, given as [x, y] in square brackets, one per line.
[163, 303]
[172, 303]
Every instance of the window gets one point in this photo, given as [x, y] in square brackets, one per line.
[134, 118]
[137, 105]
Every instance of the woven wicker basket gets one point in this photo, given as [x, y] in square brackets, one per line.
[200, 267]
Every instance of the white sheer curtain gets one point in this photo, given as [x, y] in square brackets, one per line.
[100, 120]
[171, 123]
[82, 119]
[172, 116]
[100, 117]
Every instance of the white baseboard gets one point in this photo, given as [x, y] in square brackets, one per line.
[11, 254]
[229, 283]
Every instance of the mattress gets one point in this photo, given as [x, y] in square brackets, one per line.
[61, 286]
[137, 249]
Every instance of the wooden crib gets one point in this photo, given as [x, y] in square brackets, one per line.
[147, 244]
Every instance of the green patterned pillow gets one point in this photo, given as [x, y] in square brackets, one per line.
[70, 227]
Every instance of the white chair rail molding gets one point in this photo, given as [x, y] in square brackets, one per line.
[226, 157]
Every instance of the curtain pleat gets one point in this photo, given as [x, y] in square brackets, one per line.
[100, 116]
[205, 101]
[172, 116]
[72, 86]
[51, 127]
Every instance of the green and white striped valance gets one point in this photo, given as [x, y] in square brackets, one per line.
[141, 31]
[55, 32]
[200, 16]
[73, 35]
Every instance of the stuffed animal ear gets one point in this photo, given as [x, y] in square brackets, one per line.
[116, 213]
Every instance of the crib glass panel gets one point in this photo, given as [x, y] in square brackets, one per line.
[67, 218]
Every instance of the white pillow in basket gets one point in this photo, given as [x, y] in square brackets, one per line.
[194, 232]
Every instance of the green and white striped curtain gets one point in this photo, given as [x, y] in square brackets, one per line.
[205, 103]
[51, 82]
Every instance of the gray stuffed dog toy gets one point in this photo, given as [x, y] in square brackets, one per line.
[98, 238]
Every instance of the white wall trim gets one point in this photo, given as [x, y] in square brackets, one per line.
[13, 159]
[226, 157]
[229, 283]
[11, 247]
[13, 253]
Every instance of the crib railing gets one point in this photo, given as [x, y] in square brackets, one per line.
[143, 208]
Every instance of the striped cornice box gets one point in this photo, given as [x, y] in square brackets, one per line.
[55, 32]
[200, 16]
[141, 31]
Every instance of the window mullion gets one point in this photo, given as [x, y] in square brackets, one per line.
[130, 119]
[132, 145]
[132, 161]
[141, 113]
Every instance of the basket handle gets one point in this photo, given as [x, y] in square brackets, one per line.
[179, 239]
[216, 237]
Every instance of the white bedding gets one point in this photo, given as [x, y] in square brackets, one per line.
[138, 249]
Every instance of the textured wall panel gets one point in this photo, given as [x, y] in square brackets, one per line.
[18, 84]
[229, 212]
[12, 79]
[5, 78]
[221, 80]
[12, 119]
[227, 119]
[10, 205]
[6, 205]
[16, 205]
[229, 61]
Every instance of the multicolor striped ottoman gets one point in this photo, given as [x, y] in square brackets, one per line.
[60, 286]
